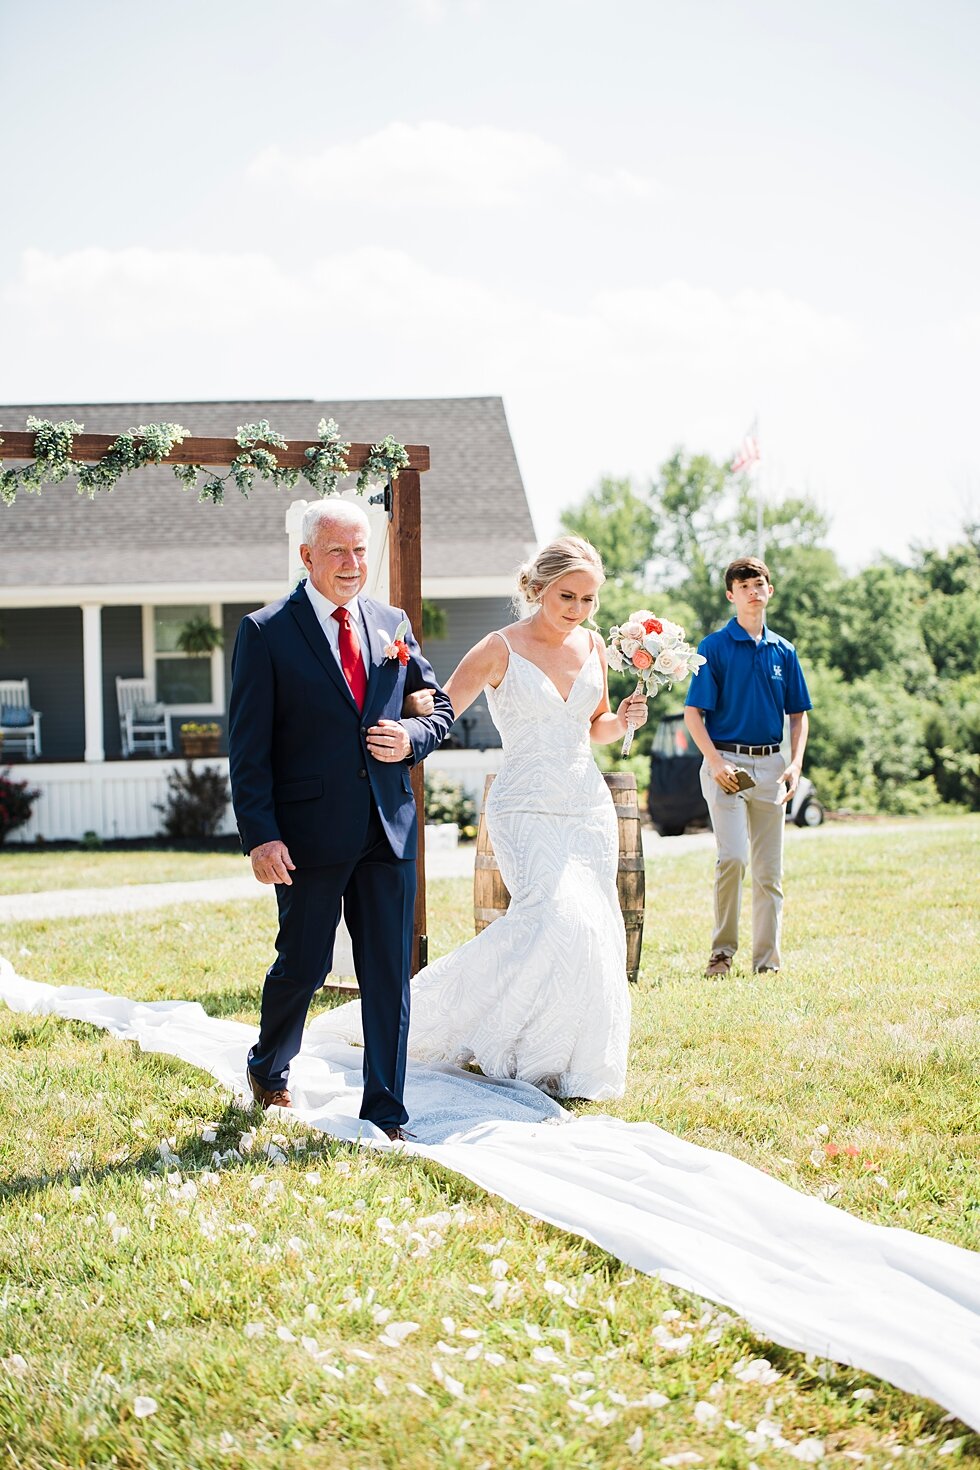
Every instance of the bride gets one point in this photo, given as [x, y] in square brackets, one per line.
[540, 995]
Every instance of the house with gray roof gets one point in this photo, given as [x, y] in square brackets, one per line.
[93, 591]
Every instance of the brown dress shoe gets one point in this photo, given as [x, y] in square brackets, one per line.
[397, 1134]
[719, 964]
[276, 1098]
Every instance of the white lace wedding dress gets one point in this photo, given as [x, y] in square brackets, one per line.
[541, 994]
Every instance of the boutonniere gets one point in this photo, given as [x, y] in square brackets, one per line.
[395, 646]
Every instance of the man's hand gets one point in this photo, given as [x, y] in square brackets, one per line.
[725, 774]
[388, 741]
[271, 863]
[422, 702]
[791, 776]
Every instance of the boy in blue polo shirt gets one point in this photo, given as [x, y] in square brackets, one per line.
[736, 705]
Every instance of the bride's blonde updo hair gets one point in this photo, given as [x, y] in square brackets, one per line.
[557, 559]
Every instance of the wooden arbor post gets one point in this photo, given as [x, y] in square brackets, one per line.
[404, 553]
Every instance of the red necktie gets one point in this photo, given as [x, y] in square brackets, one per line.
[350, 657]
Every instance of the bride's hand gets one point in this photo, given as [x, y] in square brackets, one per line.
[633, 711]
[419, 703]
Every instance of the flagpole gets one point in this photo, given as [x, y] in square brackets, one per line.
[760, 538]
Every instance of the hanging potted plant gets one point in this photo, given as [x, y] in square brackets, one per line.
[199, 636]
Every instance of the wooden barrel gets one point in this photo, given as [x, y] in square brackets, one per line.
[490, 896]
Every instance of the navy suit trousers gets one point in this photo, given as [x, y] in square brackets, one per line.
[378, 894]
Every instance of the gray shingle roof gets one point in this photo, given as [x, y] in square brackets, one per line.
[475, 516]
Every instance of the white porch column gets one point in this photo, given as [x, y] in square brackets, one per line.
[294, 531]
[92, 663]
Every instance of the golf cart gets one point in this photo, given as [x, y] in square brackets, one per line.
[675, 799]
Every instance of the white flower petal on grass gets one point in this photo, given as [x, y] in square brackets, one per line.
[496, 1360]
[950, 1446]
[396, 1332]
[706, 1413]
[16, 1364]
[295, 1245]
[471, 1332]
[863, 1395]
[284, 1334]
[209, 1134]
[381, 1385]
[472, 1353]
[144, 1406]
[821, 1130]
[499, 1268]
[545, 1355]
[686, 1457]
[755, 1370]
[583, 1377]
[651, 1400]
[419, 1392]
[533, 1331]
[448, 1326]
[554, 1288]
[635, 1442]
[254, 1329]
[443, 1347]
[817, 1158]
[450, 1384]
[670, 1344]
[809, 1451]
[476, 1290]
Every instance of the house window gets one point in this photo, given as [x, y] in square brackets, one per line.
[190, 682]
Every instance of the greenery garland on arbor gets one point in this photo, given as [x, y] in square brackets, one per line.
[152, 443]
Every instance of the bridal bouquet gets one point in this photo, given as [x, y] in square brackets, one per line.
[655, 650]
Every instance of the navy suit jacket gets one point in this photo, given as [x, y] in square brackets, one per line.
[299, 763]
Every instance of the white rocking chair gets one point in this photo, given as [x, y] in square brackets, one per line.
[20, 725]
[143, 724]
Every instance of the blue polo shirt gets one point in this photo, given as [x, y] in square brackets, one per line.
[746, 689]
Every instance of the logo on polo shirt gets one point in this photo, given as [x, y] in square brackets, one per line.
[777, 671]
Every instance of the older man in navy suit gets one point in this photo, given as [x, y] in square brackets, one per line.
[319, 761]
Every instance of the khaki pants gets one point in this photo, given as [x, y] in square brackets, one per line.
[751, 822]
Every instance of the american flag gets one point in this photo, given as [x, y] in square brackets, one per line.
[746, 455]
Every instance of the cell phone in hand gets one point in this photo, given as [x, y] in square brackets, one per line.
[745, 781]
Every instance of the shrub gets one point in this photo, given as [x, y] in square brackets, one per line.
[446, 801]
[196, 801]
[16, 803]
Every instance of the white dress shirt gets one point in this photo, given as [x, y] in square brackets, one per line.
[325, 610]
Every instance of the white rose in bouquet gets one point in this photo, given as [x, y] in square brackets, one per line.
[629, 645]
[633, 629]
[616, 660]
[664, 662]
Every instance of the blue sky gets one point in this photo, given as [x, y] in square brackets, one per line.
[642, 223]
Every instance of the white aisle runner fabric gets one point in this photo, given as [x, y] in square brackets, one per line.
[801, 1272]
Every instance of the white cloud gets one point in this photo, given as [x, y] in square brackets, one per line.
[611, 383]
[433, 165]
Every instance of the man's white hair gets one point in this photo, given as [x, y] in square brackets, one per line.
[336, 511]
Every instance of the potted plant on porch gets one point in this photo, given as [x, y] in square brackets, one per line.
[199, 739]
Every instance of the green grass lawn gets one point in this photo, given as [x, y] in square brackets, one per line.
[252, 1304]
[36, 870]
